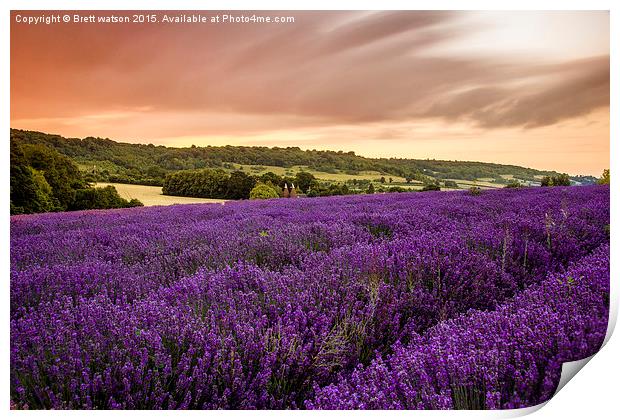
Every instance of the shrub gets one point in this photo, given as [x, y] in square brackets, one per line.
[101, 198]
[561, 180]
[263, 191]
[431, 187]
[513, 184]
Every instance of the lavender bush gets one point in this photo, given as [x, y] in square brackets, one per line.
[433, 300]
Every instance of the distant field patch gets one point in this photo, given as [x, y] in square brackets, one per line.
[152, 196]
[324, 176]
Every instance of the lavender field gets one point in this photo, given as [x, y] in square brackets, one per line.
[438, 300]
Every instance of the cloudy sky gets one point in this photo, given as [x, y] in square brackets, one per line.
[528, 88]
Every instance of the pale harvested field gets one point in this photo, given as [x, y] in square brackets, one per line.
[152, 196]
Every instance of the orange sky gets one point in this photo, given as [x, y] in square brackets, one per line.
[528, 88]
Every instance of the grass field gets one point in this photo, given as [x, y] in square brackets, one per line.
[152, 196]
[325, 176]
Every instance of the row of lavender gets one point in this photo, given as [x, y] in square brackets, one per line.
[435, 300]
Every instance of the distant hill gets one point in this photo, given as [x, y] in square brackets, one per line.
[104, 160]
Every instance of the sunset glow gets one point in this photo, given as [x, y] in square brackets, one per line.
[525, 88]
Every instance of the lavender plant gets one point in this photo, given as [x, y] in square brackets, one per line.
[437, 300]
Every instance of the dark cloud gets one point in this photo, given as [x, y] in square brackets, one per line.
[569, 90]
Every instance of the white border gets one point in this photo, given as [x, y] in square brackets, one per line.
[592, 394]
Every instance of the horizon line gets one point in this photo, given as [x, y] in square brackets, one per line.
[304, 150]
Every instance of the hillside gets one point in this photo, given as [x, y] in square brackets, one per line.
[105, 160]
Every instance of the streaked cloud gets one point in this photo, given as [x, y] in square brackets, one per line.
[326, 71]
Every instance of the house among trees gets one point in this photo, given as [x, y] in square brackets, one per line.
[289, 192]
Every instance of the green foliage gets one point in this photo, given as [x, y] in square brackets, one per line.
[217, 183]
[62, 175]
[397, 189]
[207, 183]
[239, 185]
[450, 184]
[555, 181]
[431, 187]
[43, 180]
[30, 192]
[304, 180]
[272, 179]
[371, 189]
[263, 191]
[604, 179]
[109, 161]
[101, 198]
[326, 190]
[513, 184]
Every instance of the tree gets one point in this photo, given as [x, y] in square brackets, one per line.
[43, 180]
[263, 191]
[206, 183]
[390, 180]
[271, 178]
[546, 181]
[382, 180]
[561, 180]
[23, 188]
[555, 181]
[604, 180]
[62, 175]
[304, 180]
[30, 192]
[370, 189]
[239, 185]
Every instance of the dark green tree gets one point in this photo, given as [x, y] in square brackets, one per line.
[62, 175]
[271, 178]
[101, 198]
[304, 180]
[30, 192]
[239, 185]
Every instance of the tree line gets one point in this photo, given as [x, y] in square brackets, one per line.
[219, 184]
[104, 160]
[235, 185]
[43, 180]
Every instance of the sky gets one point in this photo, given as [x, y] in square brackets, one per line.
[525, 88]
